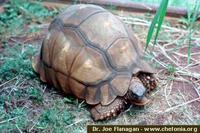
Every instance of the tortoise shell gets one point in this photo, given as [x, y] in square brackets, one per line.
[90, 53]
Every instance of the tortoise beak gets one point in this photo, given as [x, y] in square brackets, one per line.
[141, 102]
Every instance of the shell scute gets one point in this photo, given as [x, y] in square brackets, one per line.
[89, 67]
[107, 29]
[67, 46]
[121, 83]
[74, 15]
[122, 53]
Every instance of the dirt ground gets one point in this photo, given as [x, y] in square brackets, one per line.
[175, 101]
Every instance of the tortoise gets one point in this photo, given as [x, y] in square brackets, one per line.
[91, 54]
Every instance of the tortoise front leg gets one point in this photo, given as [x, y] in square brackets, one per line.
[105, 112]
[148, 80]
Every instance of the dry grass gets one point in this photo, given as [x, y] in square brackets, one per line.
[179, 81]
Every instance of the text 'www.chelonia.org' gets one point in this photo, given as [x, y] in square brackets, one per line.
[143, 129]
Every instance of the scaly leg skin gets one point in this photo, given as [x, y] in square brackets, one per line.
[102, 112]
[148, 80]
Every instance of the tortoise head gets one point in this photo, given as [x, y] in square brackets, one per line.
[136, 93]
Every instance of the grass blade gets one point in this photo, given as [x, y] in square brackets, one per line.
[151, 30]
[161, 17]
[192, 17]
[158, 19]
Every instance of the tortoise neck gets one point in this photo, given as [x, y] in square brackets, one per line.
[127, 96]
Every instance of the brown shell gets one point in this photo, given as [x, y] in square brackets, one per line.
[91, 54]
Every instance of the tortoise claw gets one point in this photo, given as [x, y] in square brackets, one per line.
[100, 112]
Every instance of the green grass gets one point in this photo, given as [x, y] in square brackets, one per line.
[55, 118]
[18, 63]
[19, 13]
